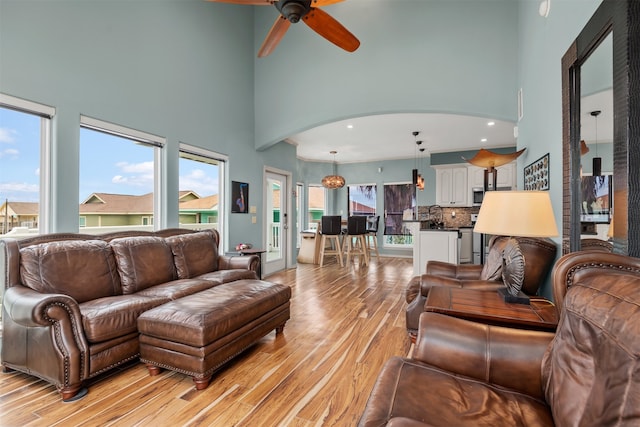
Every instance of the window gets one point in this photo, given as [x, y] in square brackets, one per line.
[362, 199]
[399, 200]
[82, 221]
[316, 205]
[25, 135]
[199, 201]
[119, 177]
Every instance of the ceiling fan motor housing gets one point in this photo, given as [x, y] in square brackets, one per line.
[294, 10]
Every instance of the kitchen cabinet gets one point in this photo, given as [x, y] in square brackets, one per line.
[452, 186]
[438, 245]
[506, 176]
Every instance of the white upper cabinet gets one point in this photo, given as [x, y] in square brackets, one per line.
[506, 176]
[452, 186]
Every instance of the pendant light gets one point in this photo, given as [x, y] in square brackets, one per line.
[335, 181]
[596, 169]
[414, 172]
[420, 183]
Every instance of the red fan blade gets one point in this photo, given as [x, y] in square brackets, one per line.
[247, 2]
[320, 3]
[323, 24]
[275, 35]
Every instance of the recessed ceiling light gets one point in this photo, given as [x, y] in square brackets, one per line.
[491, 123]
[483, 140]
[349, 126]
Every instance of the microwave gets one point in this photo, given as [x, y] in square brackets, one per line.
[477, 194]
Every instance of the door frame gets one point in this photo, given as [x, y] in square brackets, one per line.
[286, 200]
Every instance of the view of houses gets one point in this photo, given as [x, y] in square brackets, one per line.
[104, 210]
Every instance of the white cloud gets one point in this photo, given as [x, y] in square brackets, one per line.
[37, 172]
[10, 187]
[10, 153]
[144, 167]
[199, 182]
[6, 135]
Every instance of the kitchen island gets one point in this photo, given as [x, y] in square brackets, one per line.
[433, 244]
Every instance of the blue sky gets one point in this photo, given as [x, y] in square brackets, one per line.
[108, 164]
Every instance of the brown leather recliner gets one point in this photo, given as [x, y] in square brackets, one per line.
[539, 255]
[464, 373]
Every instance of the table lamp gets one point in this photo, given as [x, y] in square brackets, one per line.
[515, 214]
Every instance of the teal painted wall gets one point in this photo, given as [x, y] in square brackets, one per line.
[168, 67]
[186, 70]
[455, 56]
[541, 44]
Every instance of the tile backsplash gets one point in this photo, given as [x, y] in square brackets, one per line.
[462, 216]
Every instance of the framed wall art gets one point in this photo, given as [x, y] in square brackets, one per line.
[239, 197]
[536, 174]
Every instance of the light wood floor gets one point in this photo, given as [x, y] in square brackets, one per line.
[345, 323]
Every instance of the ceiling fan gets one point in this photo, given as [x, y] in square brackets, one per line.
[292, 11]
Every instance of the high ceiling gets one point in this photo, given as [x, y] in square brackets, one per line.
[389, 136]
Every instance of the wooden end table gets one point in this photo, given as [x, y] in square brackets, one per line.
[251, 251]
[489, 307]
[258, 252]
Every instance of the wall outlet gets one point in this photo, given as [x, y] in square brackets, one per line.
[254, 220]
[453, 214]
[253, 209]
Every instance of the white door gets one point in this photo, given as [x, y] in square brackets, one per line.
[276, 196]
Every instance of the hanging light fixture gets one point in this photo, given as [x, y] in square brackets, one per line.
[414, 172]
[597, 161]
[334, 181]
[420, 183]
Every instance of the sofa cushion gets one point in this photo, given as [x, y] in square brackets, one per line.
[595, 355]
[226, 276]
[408, 392]
[81, 269]
[194, 254]
[143, 261]
[108, 318]
[177, 288]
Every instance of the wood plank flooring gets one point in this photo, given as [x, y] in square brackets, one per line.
[345, 323]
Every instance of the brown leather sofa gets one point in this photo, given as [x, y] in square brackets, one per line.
[71, 301]
[539, 255]
[469, 374]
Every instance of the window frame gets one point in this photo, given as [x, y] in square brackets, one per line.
[47, 115]
[156, 142]
[222, 162]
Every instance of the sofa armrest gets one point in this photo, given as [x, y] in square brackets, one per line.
[506, 357]
[455, 271]
[230, 262]
[46, 336]
[427, 281]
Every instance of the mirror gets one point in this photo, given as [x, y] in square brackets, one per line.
[596, 143]
[609, 44]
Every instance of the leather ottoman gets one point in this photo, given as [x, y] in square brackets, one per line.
[197, 334]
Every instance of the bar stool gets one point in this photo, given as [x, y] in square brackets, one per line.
[372, 234]
[331, 230]
[355, 241]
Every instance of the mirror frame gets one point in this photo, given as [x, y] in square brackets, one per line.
[622, 17]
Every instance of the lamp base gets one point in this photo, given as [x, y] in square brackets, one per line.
[521, 298]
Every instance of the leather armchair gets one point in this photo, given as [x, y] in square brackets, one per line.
[539, 255]
[467, 374]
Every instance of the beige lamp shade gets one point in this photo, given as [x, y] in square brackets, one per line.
[517, 213]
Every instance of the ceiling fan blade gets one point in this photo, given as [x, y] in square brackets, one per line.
[320, 3]
[276, 33]
[325, 25]
[247, 2]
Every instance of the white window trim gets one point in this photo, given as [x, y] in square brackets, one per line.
[46, 114]
[144, 137]
[223, 161]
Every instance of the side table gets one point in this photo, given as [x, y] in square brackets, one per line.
[489, 307]
[252, 251]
